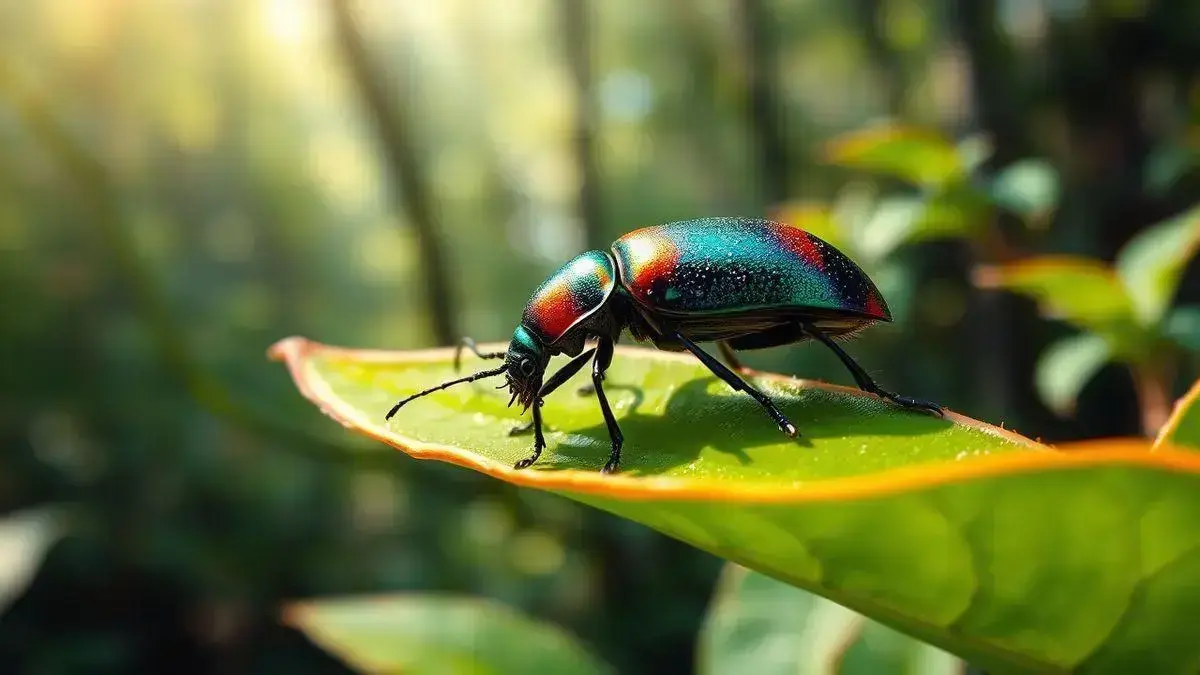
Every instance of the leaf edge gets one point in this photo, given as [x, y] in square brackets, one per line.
[294, 352]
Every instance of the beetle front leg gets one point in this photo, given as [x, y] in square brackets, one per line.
[556, 380]
[604, 354]
[864, 381]
[539, 441]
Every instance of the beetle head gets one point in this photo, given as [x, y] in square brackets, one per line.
[525, 363]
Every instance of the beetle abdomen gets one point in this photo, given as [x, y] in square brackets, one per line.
[735, 265]
[573, 293]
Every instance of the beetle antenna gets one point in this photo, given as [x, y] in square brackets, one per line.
[468, 343]
[446, 385]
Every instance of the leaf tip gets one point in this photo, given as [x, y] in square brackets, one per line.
[293, 615]
[848, 145]
[288, 348]
[987, 276]
[842, 149]
[1063, 410]
[798, 212]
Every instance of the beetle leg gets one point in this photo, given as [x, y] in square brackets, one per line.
[864, 380]
[588, 388]
[730, 356]
[604, 354]
[565, 373]
[470, 344]
[739, 384]
[539, 441]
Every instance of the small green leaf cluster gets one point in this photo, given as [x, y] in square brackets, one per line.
[950, 196]
[1124, 311]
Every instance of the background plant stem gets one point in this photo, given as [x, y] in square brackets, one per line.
[577, 43]
[396, 137]
[1153, 383]
[762, 99]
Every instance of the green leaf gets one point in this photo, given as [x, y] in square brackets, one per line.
[955, 212]
[1182, 430]
[1028, 187]
[763, 626]
[425, 633]
[978, 541]
[676, 416]
[919, 156]
[25, 538]
[890, 225]
[1066, 367]
[1183, 327]
[1080, 291]
[1152, 262]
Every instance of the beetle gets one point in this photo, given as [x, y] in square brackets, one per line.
[743, 283]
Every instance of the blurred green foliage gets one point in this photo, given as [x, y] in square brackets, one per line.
[426, 633]
[183, 183]
[761, 625]
[1125, 309]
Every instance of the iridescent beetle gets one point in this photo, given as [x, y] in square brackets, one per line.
[740, 282]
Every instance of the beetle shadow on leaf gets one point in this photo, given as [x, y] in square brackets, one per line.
[696, 417]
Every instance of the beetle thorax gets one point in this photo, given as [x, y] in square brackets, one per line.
[569, 297]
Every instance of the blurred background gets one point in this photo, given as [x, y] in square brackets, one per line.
[183, 182]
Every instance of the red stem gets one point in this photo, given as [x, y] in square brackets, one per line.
[1153, 384]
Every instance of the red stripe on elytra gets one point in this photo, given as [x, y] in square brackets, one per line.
[553, 311]
[801, 244]
[875, 305]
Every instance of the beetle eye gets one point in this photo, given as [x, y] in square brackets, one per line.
[526, 367]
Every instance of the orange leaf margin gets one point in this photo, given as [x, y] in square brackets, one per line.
[997, 276]
[295, 353]
[853, 143]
